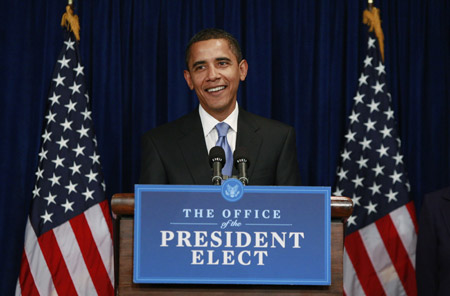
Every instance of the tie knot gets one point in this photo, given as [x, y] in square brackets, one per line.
[222, 129]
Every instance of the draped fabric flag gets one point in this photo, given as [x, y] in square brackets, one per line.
[68, 238]
[380, 235]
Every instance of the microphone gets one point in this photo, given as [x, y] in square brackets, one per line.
[217, 161]
[241, 163]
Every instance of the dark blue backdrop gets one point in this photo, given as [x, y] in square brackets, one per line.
[303, 57]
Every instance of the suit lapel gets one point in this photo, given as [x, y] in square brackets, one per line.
[193, 148]
[247, 137]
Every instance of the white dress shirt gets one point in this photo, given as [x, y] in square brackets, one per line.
[209, 127]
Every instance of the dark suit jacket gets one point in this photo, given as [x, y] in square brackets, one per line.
[176, 153]
[433, 245]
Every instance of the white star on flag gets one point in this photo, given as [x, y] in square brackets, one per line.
[67, 206]
[50, 199]
[69, 44]
[368, 61]
[391, 195]
[50, 117]
[386, 132]
[46, 136]
[88, 194]
[373, 106]
[70, 106]
[378, 170]
[396, 177]
[71, 187]
[91, 176]
[54, 99]
[75, 168]
[83, 132]
[350, 136]
[54, 180]
[79, 70]
[66, 124]
[342, 174]
[371, 208]
[59, 80]
[355, 200]
[383, 151]
[358, 181]
[58, 162]
[370, 125]
[64, 62]
[380, 69]
[375, 188]
[354, 117]
[362, 80]
[365, 143]
[62, 143]
[378, 87]
[351, 220]
[47, 217]
[75, 88]
[362, 162]
[39, 173]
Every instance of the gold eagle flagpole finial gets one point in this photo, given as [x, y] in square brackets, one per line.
[371, 17]
[70, 21]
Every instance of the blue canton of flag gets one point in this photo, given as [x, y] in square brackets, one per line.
[379, 254]
[69, 173]
[68, 243]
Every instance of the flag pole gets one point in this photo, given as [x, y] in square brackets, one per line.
[369, 4]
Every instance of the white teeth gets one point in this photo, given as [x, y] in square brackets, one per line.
[216, 89]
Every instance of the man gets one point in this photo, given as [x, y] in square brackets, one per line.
[177, 152]
[433, 245]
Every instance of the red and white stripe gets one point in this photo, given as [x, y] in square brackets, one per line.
[75, 258]
[379, 259]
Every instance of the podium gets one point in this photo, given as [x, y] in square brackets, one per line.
[123, 207]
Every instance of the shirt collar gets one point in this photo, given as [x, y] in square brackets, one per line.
[209, 122]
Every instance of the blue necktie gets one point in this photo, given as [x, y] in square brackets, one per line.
[222, 130]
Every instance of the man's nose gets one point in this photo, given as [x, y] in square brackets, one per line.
[213, 74]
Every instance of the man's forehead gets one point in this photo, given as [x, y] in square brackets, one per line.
[210, 49]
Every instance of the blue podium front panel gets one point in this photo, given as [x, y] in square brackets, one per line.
[232, 234]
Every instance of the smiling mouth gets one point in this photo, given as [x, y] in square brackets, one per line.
[218, 88]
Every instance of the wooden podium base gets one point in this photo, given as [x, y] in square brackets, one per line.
[123, 207]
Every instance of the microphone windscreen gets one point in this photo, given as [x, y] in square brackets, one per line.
[241, 155]
[216, 154]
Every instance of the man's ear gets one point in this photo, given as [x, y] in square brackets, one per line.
[243, 69]
[187, 77]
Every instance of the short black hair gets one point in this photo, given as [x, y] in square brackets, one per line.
[214, 33]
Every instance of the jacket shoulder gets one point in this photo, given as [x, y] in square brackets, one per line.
[263, 122]
[173, 128]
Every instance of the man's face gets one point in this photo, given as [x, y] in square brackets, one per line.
[214, 73]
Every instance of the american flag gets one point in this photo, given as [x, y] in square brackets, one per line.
[380, 235]
[68, 238]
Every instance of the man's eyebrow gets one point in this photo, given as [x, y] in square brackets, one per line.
[204, 62]
[223, 59]
[198, 63]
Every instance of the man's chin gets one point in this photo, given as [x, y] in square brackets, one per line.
[219, 110]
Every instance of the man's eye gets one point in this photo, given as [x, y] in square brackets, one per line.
[223, 63]
[198, 68]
